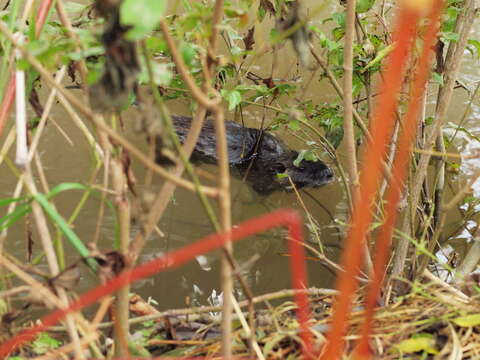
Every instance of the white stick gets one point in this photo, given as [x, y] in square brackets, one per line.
[21, 157]
[246, 328]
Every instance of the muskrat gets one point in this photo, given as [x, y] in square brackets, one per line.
[254, 153]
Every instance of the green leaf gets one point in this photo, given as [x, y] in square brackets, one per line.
[3, 307]
[233, 98]
[188, 52]
[143, 15]
[380, 55]
[429, 120]
[423, 342]
[137, 350]
[272, 343]
[300, 157]
[338, 33]
[364, 5]
[339, 18]
[467, 320]
[155, 44]
[8, 201]
[44, 343]
[19, 212]
[310, 155]
[64, 227]
[476, 45]
[438, 78]
[294, 125]
[22, 64]
[450, 36]
[65, 187]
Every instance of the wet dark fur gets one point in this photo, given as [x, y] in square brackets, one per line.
[267, 155]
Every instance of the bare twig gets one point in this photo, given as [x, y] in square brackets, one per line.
[197, 93]
[349, 134]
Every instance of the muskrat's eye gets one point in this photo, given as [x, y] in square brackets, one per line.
[280, 168]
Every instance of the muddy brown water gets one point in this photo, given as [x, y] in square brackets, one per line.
[185, 220]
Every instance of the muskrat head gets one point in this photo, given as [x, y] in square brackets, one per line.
[306, 174]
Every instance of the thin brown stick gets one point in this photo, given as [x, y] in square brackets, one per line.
[123, 209]
[349, 136]
[223, 198]
[226, 224]
[62, 14]
[197, 93]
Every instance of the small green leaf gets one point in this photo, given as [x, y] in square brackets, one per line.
[8, 201]
[450, 36]
[380, 55]
[364, 5]
[272, 343]
[438, 78]
[310, 155]
[65, 187]
[23, 64]
[44, 343]
[155, 44]
[143, 15]
[19, 212]
[429, 120]
[423, 342]
[338, 33]
[188, 52]
[3, 307]
[294, 125]
[467, 320]
[300, 157]
[137, 350]
[476, 45]
[339, 18]
[64, 227]
[233, 98]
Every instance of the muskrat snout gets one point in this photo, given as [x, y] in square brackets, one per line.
[310, 174]
[328, 175]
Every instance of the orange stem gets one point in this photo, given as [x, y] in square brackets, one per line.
[381, 130]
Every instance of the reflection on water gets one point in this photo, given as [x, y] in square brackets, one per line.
[265, 254]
